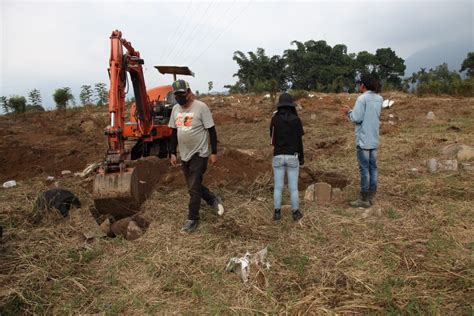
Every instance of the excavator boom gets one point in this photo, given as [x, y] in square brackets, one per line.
[120, 186]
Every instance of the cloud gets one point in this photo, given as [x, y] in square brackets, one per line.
[48, 45]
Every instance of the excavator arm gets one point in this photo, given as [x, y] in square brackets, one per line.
[119, 65]
[118, 189]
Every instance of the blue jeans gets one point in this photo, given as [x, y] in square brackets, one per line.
[367, 159]
[289, 164]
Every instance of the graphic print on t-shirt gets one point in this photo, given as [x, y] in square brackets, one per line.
[184, 121]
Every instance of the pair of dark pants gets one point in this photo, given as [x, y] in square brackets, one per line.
[194, 170]
[367, 159]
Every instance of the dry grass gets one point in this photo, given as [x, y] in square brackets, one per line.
[417, 258]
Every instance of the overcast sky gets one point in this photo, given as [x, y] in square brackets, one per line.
[48, 45]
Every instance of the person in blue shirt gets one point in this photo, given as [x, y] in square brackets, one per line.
[366, 117]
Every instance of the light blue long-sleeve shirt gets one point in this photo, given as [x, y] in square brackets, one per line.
[366, 116]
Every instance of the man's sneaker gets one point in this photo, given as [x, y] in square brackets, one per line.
[277, 214]
[190, 226]
[297, 215]
[218, 206]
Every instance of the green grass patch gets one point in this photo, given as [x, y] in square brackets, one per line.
[297, 263]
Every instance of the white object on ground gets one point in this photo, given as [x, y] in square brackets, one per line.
[387, 103]
[9, 184]
[241, 266]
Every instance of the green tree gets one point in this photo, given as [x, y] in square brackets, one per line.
[35, 98]
[258, 69]
[4, 104]
[389, 67]
[14, 104]
[101, 93]
[63, 97]
[468, 65]
[315, 65]
[439, 80]
[210, 85]
[86, 95]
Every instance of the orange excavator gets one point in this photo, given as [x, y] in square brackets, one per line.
[120, 186]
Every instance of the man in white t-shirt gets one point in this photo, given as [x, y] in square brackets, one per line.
[193, 129]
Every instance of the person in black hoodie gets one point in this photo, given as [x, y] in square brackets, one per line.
[286, 131]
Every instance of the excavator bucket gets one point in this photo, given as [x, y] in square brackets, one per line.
[117, 193]
[120, 194]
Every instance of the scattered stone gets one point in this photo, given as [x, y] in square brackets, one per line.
[448, 165]
[119, 228]
[313, 116]
[432, 165]
[309, 194]
[86, 224]
[468, 167]
[66, 172]
[9, 184]
[299, 107]
[391, 122]
[133, 231]
[50, 178]
[367, 213]
[451, 150]
[391, 116]
[430, 116]
[322, 192]
[336, 193]
[466, 153]
[377, 212]
[105, 227]
[414, 172]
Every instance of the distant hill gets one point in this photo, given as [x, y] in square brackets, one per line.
[452, 53]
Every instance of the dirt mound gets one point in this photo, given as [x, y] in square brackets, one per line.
[44, 144]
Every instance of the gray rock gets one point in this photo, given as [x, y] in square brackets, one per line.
[105, 227]
[448, 165]
[432, 165]
[336, 193]
[133, 231]
[430, 116]
[466, 153]
[468, 167]
[309, 194]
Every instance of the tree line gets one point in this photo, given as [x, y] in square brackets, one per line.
[96, 95]
[316, 66]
